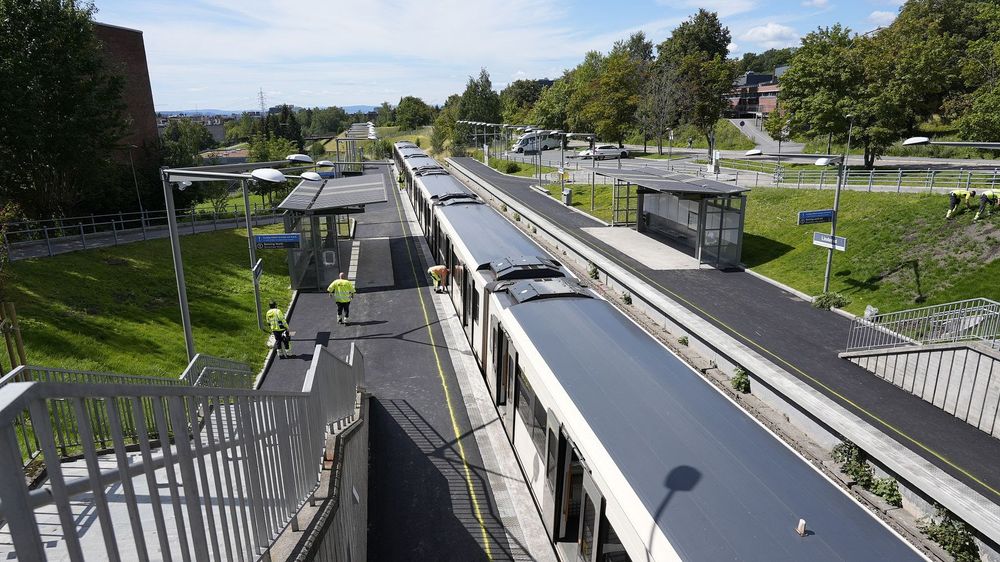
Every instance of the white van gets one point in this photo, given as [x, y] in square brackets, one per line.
[534, 141]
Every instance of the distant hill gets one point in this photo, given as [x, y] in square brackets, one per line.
[357, 108]
[203, 112]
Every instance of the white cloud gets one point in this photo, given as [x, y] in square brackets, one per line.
[816, 3]
[722, 7]
[879, 17]
[771, 36]
[733, 49]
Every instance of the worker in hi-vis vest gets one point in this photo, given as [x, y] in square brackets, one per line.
[439, 274]
[343, 291]
[957, 196]
[989, 197]
[279, 328]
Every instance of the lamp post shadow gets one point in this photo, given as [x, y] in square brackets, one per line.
[682, 478]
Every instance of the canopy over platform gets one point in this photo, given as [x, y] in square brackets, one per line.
[336, 196]
[666, 181]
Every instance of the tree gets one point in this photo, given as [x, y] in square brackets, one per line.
[62, 108]
[656, 111]
[584, 95]
[518, 98]
[444, 124]
[701, 33]
[478, 103]
[411, 113]
[326, 121]
[386, 116]
[764, 62]
[550, 111]
[240, 129]
[182, 140]
[613, 108]
[980, 71]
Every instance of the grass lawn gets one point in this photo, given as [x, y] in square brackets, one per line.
[901, 253]
[727, 137]
[657, 156]
[115, 309]
[420, 137]
[581, 198]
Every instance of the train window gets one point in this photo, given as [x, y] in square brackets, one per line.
[572, 492]
[525, 398]
[475, 304]
[587, 529]
[538, 429]
[551, 459]
[612, 549]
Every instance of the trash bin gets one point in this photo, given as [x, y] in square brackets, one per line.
[567, 197]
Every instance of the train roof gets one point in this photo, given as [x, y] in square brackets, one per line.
[719, 486]
[487, 235]
[438, 186]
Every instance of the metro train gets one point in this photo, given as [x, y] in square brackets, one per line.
[628, 453]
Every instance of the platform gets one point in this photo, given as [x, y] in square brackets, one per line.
[800, 339]
[443, 483]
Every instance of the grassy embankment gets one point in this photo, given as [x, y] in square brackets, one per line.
[902, 253]
[116, 310]
[934, 129]
[727, 137]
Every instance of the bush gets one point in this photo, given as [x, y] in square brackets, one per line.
[826, 301]
[888, 489]
[510, 167]
[627, 298]
[503, 207]
[953, 534]
[517, 217]
[592, 271]
[683, 340]
[740, 381]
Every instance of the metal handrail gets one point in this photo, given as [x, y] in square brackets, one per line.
[239, 463]
[966, 320]
[206, 370]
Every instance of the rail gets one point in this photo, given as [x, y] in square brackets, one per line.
[967, 320]
[206, 370]
[238, 464]
[54, 236]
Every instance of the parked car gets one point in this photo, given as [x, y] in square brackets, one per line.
[603, 152]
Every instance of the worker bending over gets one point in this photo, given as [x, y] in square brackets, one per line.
[279, 328]
[343, 291]
[956, 197]
[989, 197]
[439, 274]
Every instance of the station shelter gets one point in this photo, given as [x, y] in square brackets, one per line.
[320, 213]
[700, 216]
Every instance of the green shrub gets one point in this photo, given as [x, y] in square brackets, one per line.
[953, 534]
[503, 207]
[826, 301]
[627, 298]
[683, 340]
[740, 381]
[592, 271]
[509, 167]
[517, 216]
[888, 489]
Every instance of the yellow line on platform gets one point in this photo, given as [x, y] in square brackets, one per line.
[444, 384]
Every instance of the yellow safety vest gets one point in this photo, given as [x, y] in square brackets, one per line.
[962, 194]
[992, 195]
[342, 290]
[275, 319]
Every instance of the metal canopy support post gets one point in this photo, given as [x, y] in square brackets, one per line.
[253, 254]
[175, 248]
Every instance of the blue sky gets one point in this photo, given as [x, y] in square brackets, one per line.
[215, 54]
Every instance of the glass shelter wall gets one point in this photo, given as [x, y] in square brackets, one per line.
[722, 237]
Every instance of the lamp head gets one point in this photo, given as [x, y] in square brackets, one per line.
[299, 158]
[182, 185]
[754, 152]
[269, 175]
[827, 160]
[311, 176]
[914, 141]
[325, 163]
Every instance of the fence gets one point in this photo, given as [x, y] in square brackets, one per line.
[238, 464]
[60, 235]
[205, 370]
[968, 320]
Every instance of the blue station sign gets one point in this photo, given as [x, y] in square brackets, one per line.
[291, 240]
[815, 217]
[824, 240]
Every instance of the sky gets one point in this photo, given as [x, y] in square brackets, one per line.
[219, 54]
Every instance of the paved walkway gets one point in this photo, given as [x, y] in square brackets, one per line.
[443, 486]
[800, 339]
[104, 239]
[763, 140]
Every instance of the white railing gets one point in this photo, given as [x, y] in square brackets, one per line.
[206, 370]
[219, 472]
[967, 320]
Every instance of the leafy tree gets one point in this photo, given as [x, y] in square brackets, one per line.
[411, 113]
[444, 124]
[61, 105]
[702, 32]
[317, 149]
[287, 126]
[517, 99]
[656, 112]
[980, 70]
[614, 107]
[272, 149]
[478, 103]
[182, 140]
[764, 62]
[778, 124]
[240, 129]
[550, 110]
[326, 121]
[386, 115]
[9, 213]
[637, 47]
[584, 94]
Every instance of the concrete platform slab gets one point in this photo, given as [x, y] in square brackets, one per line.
[643, 249]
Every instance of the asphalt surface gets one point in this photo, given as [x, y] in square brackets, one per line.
[420, 507]
[800, 339]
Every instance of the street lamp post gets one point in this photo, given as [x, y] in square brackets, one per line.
[836, 204]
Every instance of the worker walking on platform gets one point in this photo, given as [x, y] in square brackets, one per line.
[989, 197]
[957, 196]
[279, 329]
[439, 274]
[342, 291]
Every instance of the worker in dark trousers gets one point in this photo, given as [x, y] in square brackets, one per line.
[989, 197]
[342, 291]
[957, 196]
[279, 328]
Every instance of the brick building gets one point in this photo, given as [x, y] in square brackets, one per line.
[126, 54]
[755, 94]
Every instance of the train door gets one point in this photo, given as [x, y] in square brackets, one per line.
[591, 518]
[570, 499]
[508, 386]
[555, 454]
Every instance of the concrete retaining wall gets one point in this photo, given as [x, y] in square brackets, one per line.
[961, 379]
